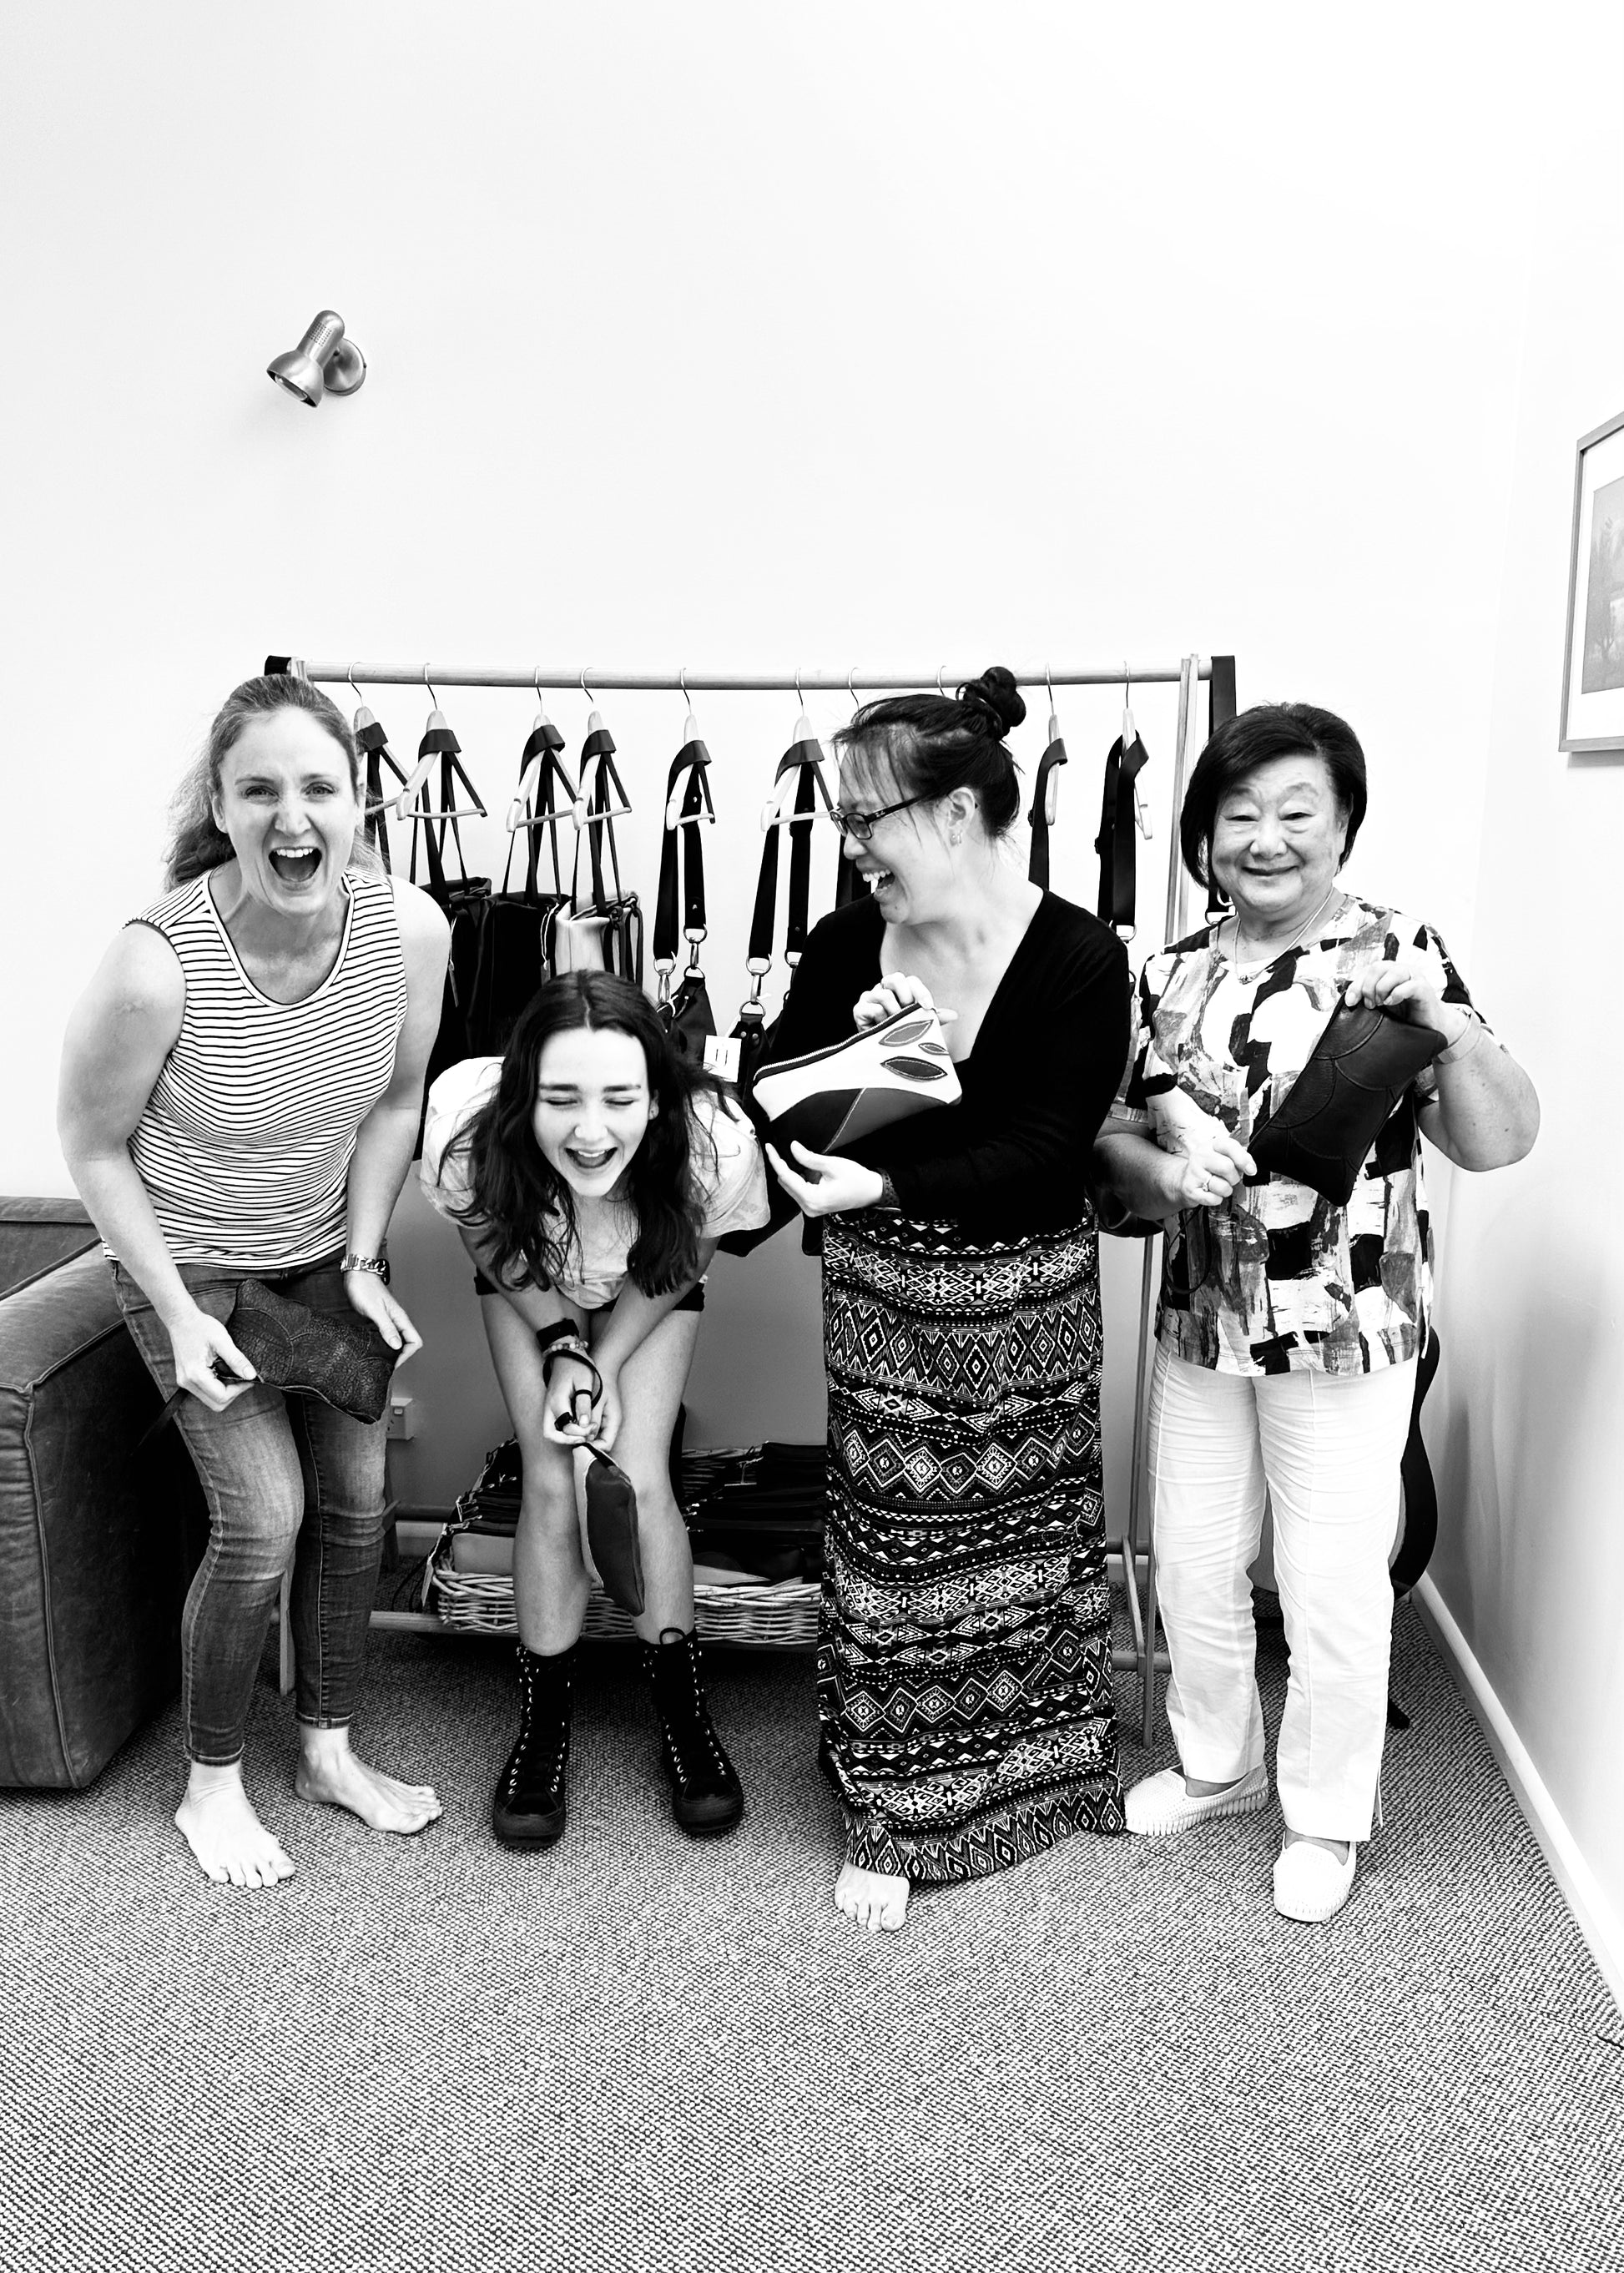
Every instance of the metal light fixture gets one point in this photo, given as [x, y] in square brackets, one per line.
[324, 361]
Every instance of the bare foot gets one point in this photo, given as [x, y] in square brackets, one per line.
[230, 1844]
[329, 1771]
[1337, 1846]
[871, 1898]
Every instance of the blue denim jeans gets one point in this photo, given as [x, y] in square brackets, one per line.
[287, 1479]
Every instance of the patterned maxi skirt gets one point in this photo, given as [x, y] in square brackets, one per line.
[965, 1686]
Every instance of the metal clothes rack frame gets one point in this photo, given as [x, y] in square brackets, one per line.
[1135, 1553]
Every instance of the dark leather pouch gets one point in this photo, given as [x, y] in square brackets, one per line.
[1323, 1128]
[612, 1532]
[342, 1360]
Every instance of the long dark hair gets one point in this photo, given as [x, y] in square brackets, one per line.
[520, 1202]
[935, 744]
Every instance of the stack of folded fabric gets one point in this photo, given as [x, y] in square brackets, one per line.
[756, 1512]
[488, 1515]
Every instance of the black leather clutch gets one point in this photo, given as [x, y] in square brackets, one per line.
[1324, 1125]
[611, 1531]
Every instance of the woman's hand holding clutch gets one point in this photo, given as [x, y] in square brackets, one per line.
[1406, 988]
[828, 1185]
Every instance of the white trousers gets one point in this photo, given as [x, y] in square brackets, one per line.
[1326, 1450]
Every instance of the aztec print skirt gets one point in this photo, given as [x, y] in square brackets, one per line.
[965, 1691]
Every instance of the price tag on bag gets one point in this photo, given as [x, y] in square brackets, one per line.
[722, 1056]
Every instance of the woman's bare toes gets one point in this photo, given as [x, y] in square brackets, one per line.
[874, 1900]
[227, 1841]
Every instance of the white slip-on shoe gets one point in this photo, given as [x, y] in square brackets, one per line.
[1160, 1806]
[1310, 1883]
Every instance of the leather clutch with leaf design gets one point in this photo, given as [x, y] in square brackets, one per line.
[338, 1356]
[832, 1097]
[1321, 1131]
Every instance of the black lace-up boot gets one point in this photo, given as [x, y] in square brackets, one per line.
[527, 1809]
[705, 1794]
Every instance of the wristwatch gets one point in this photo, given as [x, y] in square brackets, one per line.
[378, 1264]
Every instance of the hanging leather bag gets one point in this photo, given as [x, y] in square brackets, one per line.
[1116, 842]
[804, 761]
[517, 938]
[1045, 805]
[464, 899]
[687, 1015]
[374, 744]
[604, 931]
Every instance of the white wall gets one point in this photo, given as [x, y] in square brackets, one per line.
[1528, 1425]
[748, 337]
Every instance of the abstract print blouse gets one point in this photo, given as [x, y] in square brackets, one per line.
[1278, 1278]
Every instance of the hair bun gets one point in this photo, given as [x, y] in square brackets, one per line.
[996, 695]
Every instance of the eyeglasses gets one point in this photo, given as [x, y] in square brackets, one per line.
[860, 825]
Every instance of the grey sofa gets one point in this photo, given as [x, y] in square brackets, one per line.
[97, 1542]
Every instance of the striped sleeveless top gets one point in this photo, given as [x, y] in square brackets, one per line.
[246, 1143]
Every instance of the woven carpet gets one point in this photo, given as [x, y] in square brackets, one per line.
[636, 2052]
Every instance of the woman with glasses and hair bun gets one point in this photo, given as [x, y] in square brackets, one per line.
[964, 1667]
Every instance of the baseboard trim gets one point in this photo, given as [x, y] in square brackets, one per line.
[1593, 1913]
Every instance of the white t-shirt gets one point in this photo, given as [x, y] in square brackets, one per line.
[732, 1193]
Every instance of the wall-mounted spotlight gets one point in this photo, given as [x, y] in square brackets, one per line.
[324, 361]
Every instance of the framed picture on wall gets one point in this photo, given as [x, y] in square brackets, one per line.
[1593, 667]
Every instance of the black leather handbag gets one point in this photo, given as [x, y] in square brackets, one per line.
[1322, 1129]
[686, 1014]
[612, 1532]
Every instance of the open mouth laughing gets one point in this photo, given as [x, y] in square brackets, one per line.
[297, 866]
[591, 1163]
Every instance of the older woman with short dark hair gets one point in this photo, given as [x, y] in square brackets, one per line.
[241, 1087]
[1289, 1327]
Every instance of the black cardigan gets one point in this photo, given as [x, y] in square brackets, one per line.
[1013, 1157]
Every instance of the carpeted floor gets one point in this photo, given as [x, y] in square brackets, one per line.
[634, 2052]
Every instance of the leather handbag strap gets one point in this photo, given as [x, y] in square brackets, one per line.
[535, 809]
[682, 859]
[804, 759]
[595, 810]
[1219, 709]
[1045, 802]
[431, 816]
[374, 744]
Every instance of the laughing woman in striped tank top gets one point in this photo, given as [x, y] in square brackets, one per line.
[240, 1098]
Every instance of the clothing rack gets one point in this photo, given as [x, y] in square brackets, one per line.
[704, 682]
[1217, 672]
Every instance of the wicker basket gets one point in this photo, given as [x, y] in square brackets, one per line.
[782, 1617]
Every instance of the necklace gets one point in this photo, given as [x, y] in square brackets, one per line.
[1251, 966]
